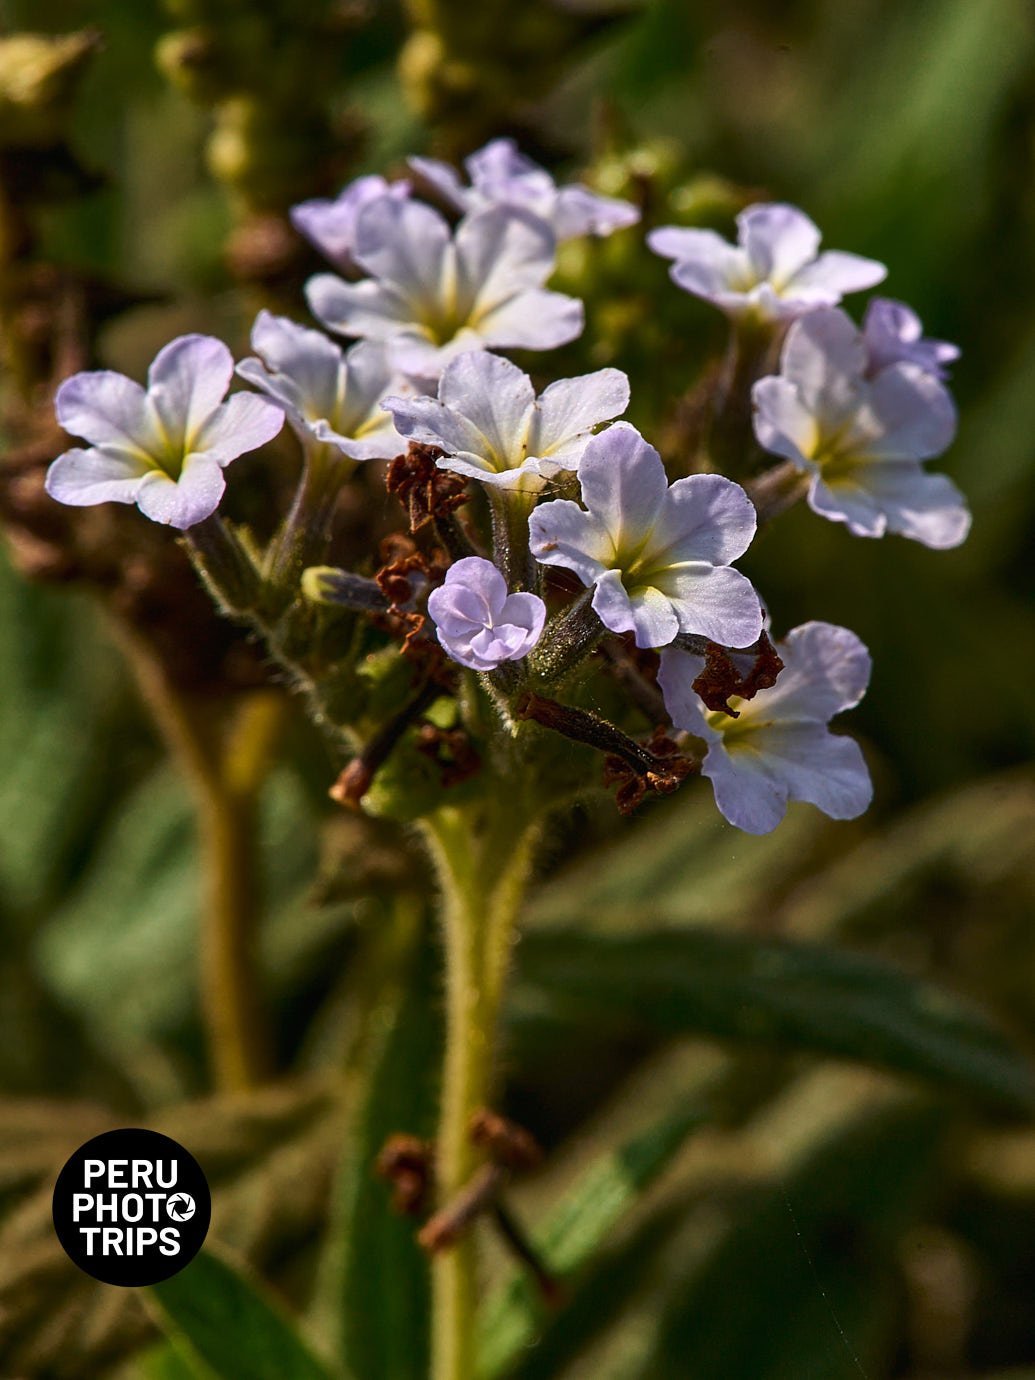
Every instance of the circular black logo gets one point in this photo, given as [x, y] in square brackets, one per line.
[132, 1207]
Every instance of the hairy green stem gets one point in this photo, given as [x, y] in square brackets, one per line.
[483, 866]
[510, 510]
[306, 532]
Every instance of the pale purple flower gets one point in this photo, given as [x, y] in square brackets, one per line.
[478, 623]
[500, 175]
[492, 426]
[433, 293]
[331, 396]
[329, 224]
[165, 448]
[861, 439]
[773, 273]
[656, 555]
[894, 334]
[779, 748]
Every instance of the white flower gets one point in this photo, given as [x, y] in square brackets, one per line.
[656, 555]
[862, 439]
[779, 748]
[493, 428]
[165, 448]
[431, 293]
[501, 175]
[773, 272]
[330, 395]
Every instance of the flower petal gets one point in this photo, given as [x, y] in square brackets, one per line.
[894, 333]
[497, 398]
[475, 572]
[655, 622]
[714, 601]
[525, 611]
[186, 383]
[444, 179]
[243, 423]
[375, 310]
[895, 497]
[368, 377]
[676, 675]
[623, 484]
[330, 223]
[571, 408]
[719, 262]
[433, 424]
[106, 408]
[184, 502]
[380, 440]
[309, 362]
[833, 275]
[825, 358]
[406, 244]
[849, 499]
[500, 253]
[746, 794]
[704, 518]
[783, 424]
[578, 211]
[561, 533]
[779, 239]
[826, 669]
[499, 161]
[81, 478]
[915, 411]
[532, 320]
[645, 612]
[817, 766]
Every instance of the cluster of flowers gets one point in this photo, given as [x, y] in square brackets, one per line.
[427, 299]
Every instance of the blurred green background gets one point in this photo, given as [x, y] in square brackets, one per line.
[834, 1218]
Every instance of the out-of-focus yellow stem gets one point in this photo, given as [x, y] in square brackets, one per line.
[225, 774]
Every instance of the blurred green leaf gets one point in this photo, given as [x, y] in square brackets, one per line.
[58, 697]
[803, 1281]
[803, 996]
[233, 1325]
[576, 1229]
[165, 1362]
[375, 1287]
[695, 868]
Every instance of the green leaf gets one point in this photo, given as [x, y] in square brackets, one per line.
[165, 1362]
[228, 1321]
[803, 1282]
[804, 996]
[575, 1231]
[375, 1288]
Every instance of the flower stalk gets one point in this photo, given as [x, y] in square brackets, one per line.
[305, 534]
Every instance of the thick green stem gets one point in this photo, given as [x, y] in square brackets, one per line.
[510, 509]
[482, 873]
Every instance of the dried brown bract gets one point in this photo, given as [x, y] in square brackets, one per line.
[427, 492]
[722, 679]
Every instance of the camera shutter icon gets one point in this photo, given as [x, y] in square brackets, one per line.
[180, 1207]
